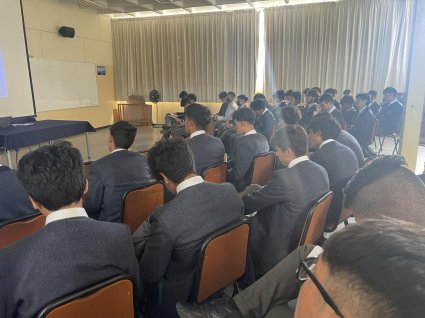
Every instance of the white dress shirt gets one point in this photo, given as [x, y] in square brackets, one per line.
[66, 214]
[331, 110]
[118, 149]
[197, 133]
[297, 161]
[189, 183]
[251, 132]
[231, 108]
[326, 142]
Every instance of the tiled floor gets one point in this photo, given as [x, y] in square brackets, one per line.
[147, 136]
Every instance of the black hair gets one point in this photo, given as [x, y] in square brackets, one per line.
[244, 97]
[192, 97]
[328, 127]
[381, 264]
[280, 94]
[291, 136]
[173, 158]
[326, 98]
[185, 101]
[331, 91]
[231, 94]
[290, 115]
[289, 92]
[222, 95]
[363, 96]
[314, 93]
[200, 114]
[260, 97]
[53, 175]
[346, 92]
[244, 114]
[258, 104]
[305, 90]
[390, 90]
[347, 99]
[373, 93]
[297, 96]
[123, 133]
[183, 94]
[317, 89]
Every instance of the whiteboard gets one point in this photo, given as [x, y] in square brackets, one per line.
[63, 85]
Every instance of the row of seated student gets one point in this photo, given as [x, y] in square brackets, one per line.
[162, 256]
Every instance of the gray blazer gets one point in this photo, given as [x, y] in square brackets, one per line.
[109, 179]
[207, 150]
[348, 140]
[63, 257]
[282, 207]
[168, 244]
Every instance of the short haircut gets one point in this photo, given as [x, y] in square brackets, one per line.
[192, 97]
[331, 91]
[347, 99]
[200, 114]
[280, 94]
[326, 125]
[244, 114]
[363, 96]
[53, 175]
[185, 101]
[123, 133]
[305, 90]
[290, 115]
[346, 92]
[231, 94]
[297, 96]
[222, 95]
[173, 158]
[183, 94]
[390, 90]
[376, 269]
[260, 96]
[291, 136]
[289, 92]
[318, 89]
[326, 98]
[258, 104]
[244, 97]
[385, 187]
[373, 93]
[314, 93]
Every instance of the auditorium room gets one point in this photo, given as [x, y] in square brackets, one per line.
[212, 158]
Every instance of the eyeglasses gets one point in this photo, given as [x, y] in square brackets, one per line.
[304, 272]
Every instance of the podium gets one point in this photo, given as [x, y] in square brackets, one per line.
[135, 110]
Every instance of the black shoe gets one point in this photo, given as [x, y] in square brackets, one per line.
[224, 307]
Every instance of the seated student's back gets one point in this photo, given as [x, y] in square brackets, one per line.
[71, 252]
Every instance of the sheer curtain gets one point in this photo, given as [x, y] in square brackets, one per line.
[357, 44]
[202, 53]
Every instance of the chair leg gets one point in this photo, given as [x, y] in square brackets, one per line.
[236, 289]
[346, 222]
[396, 143]
[381, 143]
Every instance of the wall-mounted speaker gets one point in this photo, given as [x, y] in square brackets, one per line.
[67, 32]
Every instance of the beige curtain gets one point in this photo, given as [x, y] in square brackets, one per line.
[203, 54]
[356, 44]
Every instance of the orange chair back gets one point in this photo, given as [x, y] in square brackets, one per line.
[110, 299]
[223, 259]
[20, 228]
[210, 129]
[140, 203]
[262, 169]
[86, 168]
[345, 215]
[216, 173]
[314, 225]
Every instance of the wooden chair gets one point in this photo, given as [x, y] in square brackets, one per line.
[139, 203]
[223, 259]
[262, 168]
[115, 297]
[17, 229]
[215, 173]
[315, 222]
[86, 168]
[345, 215]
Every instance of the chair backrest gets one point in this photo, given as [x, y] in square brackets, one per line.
[140, 203]
[262, 168]
[86, 168]
[115, 297]
[315, 222]
[345, 215]
[17, 229]
[210, 129]
[373, 131]
[223, 259]
[215, 173]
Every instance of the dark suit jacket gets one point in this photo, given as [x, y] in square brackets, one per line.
[348, 140]
[246, 149]
[63, 257]
[264, 124]
[109, 179]
[362, 128]
[223, 108]
[307, 115]
[168, 244]
[389, 118]
[375, 108]
[337, 114]
[338, 160]
[349, 116]
[14, 200]
[207, 150]
[282, 207]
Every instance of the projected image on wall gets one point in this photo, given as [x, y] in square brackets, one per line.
[3, 91]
